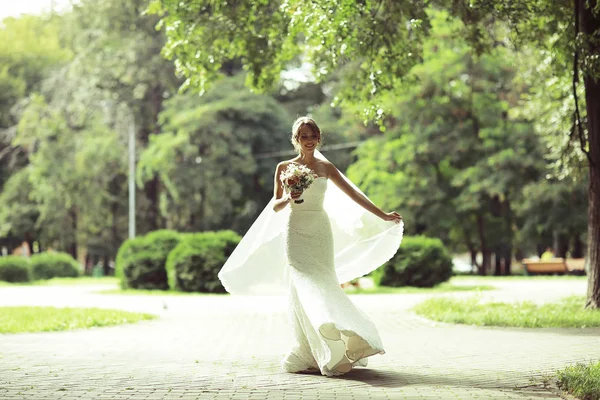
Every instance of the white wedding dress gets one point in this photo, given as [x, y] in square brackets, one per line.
[306, 251]
[331, 334]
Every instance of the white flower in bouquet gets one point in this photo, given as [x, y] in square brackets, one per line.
[297, 178]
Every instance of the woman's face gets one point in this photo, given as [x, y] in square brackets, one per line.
[308, 139]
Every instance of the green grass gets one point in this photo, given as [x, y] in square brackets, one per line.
[514, 278]
[51, 319]
[568, 313]
[146, 292]
[581, 380]
[83, 280]
[445, 287]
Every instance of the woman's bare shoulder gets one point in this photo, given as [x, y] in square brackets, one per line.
[327, 164]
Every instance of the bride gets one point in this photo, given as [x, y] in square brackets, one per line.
[306, 244]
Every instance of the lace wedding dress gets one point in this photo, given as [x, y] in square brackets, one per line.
[305, 251]
[331, 334]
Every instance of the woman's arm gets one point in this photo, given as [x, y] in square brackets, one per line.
[281, 199]
[336, 177]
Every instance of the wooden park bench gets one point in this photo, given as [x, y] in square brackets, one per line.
[549, 266]
[576, 265]
[554, 266]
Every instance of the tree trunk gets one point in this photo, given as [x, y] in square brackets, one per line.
[73, 246]
[474, 260]
[577, 250]
[485, 252]
[590, 24]
[105, 266]
[508, 246]
[472, 249]
[508, 262]
[593, 253]
[153, 212]
[563, 246]
[498, 262]
[486, 264]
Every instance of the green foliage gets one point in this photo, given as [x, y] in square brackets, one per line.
[18, 213]
[460, 159]
[30, 47]
[382, 43]
[15, 269]
[141, 261]
[454, 158]
[374, 44]
[420, 261]
[581, 380]
[206, 156]
[127, 249]
[72, 175]
[163, 240]
[73, 132]
[567, 200]
[194, 264]
[50, 265]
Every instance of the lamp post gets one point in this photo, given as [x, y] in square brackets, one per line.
[131, 176]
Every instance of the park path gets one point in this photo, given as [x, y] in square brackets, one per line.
[228, 347]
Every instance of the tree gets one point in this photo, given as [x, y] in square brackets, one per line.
[205, 157]
[117, 49]
[554, 213]
[18, 212]
[454, 159]
[69, 178]
[30, 49]
[384, 40]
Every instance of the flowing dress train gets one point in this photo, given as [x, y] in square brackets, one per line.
[331, 334]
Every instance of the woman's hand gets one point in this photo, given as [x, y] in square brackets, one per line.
[295, 195]
[392, 216]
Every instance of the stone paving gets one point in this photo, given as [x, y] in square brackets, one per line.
[228, 347]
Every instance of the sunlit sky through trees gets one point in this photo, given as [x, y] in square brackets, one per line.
[16, 8]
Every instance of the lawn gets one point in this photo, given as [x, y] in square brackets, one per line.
[568, 313]
[156, 292]
[445, 287]
[50, 319]
[514, 278]
[83, 280]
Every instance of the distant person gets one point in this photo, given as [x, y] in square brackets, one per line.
[548, 254]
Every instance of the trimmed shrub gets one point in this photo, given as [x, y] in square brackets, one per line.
[127, 249]
[194, 264]
[141, 261]
[54, 265]
[420, 261]
[15, 269]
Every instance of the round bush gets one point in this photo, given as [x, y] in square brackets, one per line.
[141, 261]
[194, 264]
[420, 261]
[54, 265]
[15, 269]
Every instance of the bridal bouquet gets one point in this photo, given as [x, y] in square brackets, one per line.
[297, 178]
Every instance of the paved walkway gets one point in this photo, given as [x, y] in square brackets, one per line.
[222, 347]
